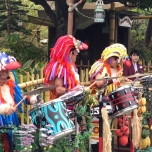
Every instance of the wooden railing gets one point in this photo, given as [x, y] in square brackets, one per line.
[33, 81]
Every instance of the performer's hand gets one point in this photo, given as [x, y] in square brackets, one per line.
[9, 110]
[36, 99]
[127, 80]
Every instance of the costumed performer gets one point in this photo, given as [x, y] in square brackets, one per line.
[108, 66]
[61, 69]
[10, 95]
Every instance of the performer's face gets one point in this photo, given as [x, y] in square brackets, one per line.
[73, 56]
[134, 58]
[115, 62]
[3, 77]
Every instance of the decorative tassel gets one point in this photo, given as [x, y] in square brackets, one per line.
[107, 136]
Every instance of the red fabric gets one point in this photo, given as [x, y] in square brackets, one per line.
[100, 144]
[5, 142]
[131, 147]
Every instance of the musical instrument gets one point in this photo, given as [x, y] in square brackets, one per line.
[41, 90]
[74, 95]
[146, 80]
[54, 113]
[107, 78]
[122, 101]
[135, 84]
[138, 75]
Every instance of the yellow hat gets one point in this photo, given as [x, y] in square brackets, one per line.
[117, 50]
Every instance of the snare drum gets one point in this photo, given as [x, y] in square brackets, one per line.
[122, 101]
[74, 95]
[55, 114]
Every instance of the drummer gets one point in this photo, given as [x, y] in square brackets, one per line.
[10, 95]
[108, 66]
[61, 69]
[135, 66]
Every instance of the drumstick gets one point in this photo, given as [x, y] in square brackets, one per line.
[20, 101]
[91, 85]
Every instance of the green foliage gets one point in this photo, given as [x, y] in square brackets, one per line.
[137, 39]
[145, 133]
[16, 13]
[24, 50]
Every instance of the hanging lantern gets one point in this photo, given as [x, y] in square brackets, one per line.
[99, 14]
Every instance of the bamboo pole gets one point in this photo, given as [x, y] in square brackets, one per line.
[28, 89]
[30, 83]
[22, 114]
[112, 24]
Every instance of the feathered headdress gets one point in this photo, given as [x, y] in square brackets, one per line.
[60, 65]
[118, 50]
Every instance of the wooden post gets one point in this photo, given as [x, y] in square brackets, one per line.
[70, 18]
[112, 24]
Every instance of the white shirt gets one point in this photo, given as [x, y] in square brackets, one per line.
[135, 67]
[5, 90]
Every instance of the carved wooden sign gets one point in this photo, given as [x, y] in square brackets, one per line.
[125, 21]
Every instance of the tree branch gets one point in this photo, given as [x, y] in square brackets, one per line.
[47, 8]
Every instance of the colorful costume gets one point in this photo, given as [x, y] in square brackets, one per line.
[10, 93]
[103, 66]
[60, 65]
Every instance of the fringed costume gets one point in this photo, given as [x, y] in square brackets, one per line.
[103, 66]
[10, 94]
[60, 65]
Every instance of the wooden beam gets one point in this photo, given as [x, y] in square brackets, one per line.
[141, 17]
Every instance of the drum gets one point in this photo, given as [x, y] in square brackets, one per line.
[74, 95]
[95, 110]
[122, 101]
[135, 84]
[55, 114]
[146, 80]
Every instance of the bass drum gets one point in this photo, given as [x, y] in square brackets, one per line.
[55, 114]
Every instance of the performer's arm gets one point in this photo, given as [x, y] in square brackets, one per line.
[60, 90]
[102, 82]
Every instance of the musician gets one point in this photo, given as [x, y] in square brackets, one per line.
[10, 95]
[135, 66]
[61, 69]
[108, 66]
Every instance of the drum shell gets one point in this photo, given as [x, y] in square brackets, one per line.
[122, 100]
[74, 95]
[54, 113]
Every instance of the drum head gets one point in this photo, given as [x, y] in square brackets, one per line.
[120, 88]
[136, 84]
